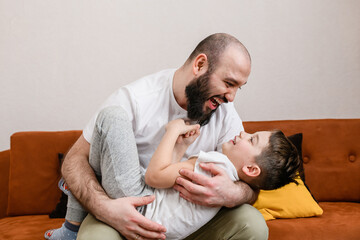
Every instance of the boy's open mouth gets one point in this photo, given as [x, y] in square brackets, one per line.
[233, 140]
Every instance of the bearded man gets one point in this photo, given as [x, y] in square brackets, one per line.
[201, 90]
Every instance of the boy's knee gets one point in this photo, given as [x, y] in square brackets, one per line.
[112, 113]
[112, 116]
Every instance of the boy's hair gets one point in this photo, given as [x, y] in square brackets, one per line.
[279, 163]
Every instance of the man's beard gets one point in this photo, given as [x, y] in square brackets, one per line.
[197, 94]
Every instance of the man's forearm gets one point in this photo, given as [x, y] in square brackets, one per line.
[82, 182]
[81, 178]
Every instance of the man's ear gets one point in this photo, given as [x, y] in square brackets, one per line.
[251, 170]
[200, 64]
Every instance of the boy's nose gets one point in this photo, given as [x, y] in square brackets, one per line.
[243, 134]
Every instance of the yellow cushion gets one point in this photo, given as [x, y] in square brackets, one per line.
[290, 201]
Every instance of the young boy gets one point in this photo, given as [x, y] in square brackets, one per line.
[264, 160]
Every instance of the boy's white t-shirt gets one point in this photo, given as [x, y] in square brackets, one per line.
[179, 216]
[150, 104]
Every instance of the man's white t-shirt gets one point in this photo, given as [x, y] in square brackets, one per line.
[150, 104]
[179, 216]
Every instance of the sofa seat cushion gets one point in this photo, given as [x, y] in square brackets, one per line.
[339, 221]
[27, 227]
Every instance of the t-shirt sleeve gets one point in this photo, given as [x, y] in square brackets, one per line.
[122, 97]
[219, 160]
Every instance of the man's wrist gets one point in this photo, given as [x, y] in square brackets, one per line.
[243, 193]
[102, 211]
[95, 200]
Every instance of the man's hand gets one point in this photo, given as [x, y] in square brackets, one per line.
[216, 191]
[122, 215]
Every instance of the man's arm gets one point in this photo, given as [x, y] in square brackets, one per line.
[119, 213]
[216, 191]
[79, 175]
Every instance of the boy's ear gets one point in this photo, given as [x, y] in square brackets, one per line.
[251, 170]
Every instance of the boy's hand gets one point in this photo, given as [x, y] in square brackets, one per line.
[187, 133]
[188, 138]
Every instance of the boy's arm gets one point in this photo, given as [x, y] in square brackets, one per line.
[164, 165]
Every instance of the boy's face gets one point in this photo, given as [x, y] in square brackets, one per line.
[243, 149]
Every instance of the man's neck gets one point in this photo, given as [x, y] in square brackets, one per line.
[180, 82]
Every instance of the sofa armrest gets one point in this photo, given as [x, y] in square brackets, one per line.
[4, 181]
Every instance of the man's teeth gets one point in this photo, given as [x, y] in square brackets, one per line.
[215, 101]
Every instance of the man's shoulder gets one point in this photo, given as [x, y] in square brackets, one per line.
[153, 82]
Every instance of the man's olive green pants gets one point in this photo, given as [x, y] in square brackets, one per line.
[244, 222]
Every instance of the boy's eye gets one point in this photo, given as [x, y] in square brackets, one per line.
[251, 139]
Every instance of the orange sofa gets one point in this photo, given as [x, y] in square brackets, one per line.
[30, 170]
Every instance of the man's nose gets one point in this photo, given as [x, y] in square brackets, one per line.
[230, 95]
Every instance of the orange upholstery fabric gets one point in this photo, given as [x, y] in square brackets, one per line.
[4, 181]
[339, 221]
[35, 170]
[27, 227]
[331, 152]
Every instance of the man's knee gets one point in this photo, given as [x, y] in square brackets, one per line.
[241, 223]
[92, 229]
[250, 223]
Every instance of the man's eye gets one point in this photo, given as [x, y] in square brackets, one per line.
[251, 139]
[228, 84]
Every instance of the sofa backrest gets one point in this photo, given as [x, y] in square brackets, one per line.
[35, 170]
[331, 153]
[4, 181]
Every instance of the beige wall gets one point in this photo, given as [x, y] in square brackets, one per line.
[60, 59]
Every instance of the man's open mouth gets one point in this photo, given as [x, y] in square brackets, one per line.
[214, 103]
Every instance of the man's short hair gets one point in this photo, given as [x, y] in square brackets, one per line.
[213, 46]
